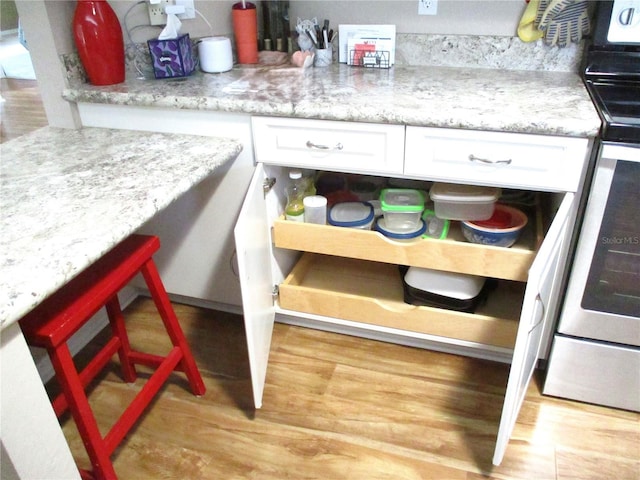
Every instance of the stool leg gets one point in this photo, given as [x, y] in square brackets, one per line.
[80, 409]
[161, 299]
[116, 320]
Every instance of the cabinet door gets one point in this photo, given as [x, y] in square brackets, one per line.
[253, 245]
[538, 308]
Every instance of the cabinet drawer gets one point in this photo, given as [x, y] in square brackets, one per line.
[493, 158]
[453, 254]
[320, 144]
[372, 293]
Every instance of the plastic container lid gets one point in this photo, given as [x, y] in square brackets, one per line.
[454, 193]
[351, 214]
[399, 235]
[401, 200]
[446, 284]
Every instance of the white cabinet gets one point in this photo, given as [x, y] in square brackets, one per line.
[344, 279]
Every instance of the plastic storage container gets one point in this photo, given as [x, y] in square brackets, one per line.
[315, 209]
[463, 202]
[381, 227]
[365, 187]
[402, 208]
[502, 230]
[352, 214]
[436, 227]
[434, 288]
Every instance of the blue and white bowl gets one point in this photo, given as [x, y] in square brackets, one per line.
[503, 236]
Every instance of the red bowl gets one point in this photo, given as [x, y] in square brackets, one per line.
[503, 218]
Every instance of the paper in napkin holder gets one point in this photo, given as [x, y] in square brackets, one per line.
[172, 57]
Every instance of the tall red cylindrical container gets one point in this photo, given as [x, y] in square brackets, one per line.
[98, 37]
[245, 30]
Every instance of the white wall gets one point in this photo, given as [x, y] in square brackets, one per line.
[468, 17]
[47, 26]
[459, 17]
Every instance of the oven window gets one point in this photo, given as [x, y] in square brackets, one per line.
[613, 284]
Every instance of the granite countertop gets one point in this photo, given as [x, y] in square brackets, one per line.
[538, 102]
[68, 196]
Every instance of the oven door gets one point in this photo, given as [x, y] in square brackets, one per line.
[603, 295]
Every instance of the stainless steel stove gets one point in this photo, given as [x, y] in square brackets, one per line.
[596, 350]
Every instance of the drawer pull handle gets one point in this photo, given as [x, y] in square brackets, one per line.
[473, 158]
[310, 144]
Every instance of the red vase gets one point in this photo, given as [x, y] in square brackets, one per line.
[98, 37]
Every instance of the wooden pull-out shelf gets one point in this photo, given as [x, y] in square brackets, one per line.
[372, 293]
[454, 254]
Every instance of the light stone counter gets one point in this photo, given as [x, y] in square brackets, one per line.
[538, 102]
[68, 196]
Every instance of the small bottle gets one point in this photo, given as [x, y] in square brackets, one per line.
[295, 197]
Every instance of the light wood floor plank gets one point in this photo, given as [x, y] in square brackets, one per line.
[21, 109]
[340, 407]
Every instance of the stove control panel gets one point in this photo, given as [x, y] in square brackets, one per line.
[624, 26]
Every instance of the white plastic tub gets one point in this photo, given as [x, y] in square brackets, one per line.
[463, 202]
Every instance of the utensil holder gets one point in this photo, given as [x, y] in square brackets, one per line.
[324, 57]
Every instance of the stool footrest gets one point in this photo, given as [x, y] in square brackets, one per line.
[149, 360]
[142, 400]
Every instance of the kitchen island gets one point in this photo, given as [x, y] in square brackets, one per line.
[69, 196]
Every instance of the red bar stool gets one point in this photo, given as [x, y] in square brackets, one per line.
[53, 322]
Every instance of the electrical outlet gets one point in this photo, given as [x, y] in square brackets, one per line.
[427, 7]
[158, 14]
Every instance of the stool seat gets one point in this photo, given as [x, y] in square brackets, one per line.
[52, 323]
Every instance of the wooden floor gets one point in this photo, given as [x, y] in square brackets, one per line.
[21, 109]
[339, 407]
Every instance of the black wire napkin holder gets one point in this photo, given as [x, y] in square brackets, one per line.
[370, 59]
